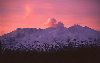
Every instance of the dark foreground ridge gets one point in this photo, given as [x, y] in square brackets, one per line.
[68, 55]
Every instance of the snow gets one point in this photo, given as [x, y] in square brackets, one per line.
[32, 38]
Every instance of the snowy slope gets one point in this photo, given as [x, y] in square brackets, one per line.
[32, 38]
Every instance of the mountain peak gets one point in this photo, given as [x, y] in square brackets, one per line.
[77, 26]
[32, 38]
[59, 25]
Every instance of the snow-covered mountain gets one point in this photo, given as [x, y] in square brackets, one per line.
[52, 37]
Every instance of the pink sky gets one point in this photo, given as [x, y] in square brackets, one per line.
[34, 13]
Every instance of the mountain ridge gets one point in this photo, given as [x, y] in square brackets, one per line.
[32, 38]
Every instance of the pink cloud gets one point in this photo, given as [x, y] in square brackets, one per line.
[51, 22]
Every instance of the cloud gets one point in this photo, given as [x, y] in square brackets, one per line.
[51, 22]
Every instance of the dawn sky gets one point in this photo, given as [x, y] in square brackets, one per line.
[34, 13]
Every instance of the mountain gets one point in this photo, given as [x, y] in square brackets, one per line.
[52, 37]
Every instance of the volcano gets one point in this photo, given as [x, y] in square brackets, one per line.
[51, 37]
